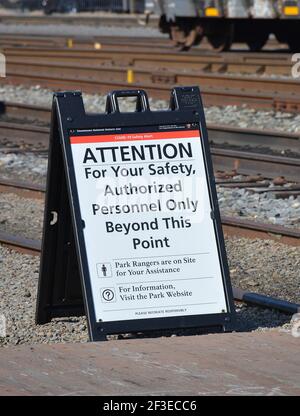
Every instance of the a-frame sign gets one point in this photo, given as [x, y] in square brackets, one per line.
[132, 232]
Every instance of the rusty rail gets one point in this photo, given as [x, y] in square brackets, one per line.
[223, 159]
[154, 55]
[217, 89]
[218, 133]
[231, 225]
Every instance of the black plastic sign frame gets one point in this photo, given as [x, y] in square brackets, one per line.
[64, 284]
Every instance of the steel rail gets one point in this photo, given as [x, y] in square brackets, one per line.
[231, 225]
[251, 229]
[20, 244]
[249, 163]
[143, 56]
[24, 135]
[223, 159]
[25, 111]
[218, 133]
[21, 188]
[275, 86]
[273, 139]
[99, 42]
[257, 92]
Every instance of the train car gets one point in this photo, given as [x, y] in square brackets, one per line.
[21, 4]
[226, 21]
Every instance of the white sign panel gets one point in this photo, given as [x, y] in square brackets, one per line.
[149, 236]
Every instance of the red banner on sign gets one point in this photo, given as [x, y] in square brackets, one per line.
[186, 134]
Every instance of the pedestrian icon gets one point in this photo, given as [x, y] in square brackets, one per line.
[104, 270]
[108, 295]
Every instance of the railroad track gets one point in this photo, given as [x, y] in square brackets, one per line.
[117, 64]
[25, 111]
[142, 54]
[231, 226]
[88, 43]
[133, 43]
[110, 74]
[242, 162]
[219, 134]
[255, 92]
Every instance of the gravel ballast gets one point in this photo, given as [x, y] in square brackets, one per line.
[82, 30]
[24, 167]
[260, 207]
[265, 267]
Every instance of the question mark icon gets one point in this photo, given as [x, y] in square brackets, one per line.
[108, 295]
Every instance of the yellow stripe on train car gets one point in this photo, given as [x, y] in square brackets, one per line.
[291, 10]
[211, 12]
[70, 43]
[130, 76]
